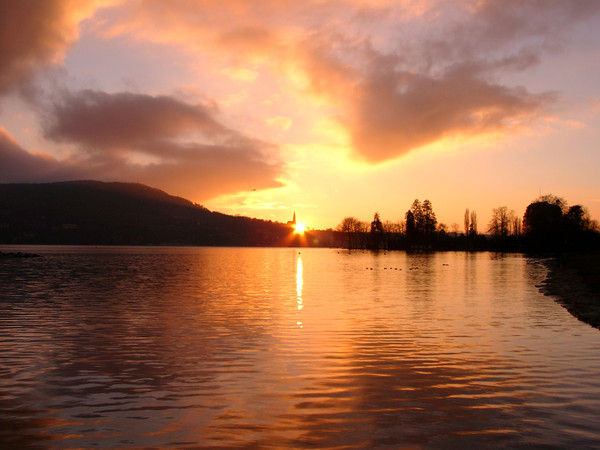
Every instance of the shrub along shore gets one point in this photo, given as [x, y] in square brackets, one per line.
[575, 281]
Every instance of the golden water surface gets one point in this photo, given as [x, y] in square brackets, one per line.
[249, 347]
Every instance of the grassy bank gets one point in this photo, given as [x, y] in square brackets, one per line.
[575, 281]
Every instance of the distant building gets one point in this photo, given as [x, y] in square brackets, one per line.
[293, 221]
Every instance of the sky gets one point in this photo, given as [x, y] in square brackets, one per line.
[326, 108]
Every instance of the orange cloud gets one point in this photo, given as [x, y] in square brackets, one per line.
[396, 112]
[397, 75]
[442, 81]
[442, 84]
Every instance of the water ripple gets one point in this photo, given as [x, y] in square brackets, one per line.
[136, 347]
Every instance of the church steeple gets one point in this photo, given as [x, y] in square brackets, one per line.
[293, 221]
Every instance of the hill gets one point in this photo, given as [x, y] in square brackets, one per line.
[94, 212]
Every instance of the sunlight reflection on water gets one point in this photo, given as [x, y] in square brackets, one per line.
[117, 347]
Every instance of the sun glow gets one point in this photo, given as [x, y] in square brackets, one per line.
[299, 228]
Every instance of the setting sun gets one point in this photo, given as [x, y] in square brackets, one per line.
[299, 228]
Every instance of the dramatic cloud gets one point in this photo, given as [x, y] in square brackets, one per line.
[396, 76]
[400, 75]
[448, 82]
[398, 111]
[159, 141]
[162, 141]
[35, 34]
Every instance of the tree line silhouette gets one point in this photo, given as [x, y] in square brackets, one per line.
[92, 212]
[548, 225]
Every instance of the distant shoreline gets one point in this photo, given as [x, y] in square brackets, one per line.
[575, 282]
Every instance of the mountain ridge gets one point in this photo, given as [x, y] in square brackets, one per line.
[116, 213]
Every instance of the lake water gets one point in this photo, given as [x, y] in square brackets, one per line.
[250, 347]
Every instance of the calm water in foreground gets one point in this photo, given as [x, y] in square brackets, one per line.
[118, 347]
